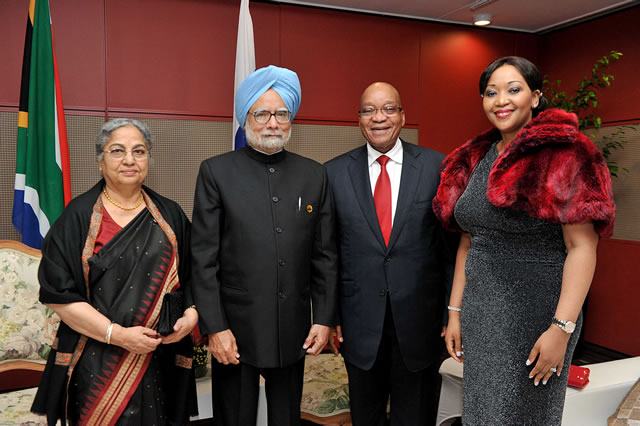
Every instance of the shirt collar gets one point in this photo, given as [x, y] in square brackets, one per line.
[394, 154]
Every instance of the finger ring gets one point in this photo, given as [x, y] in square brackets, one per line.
[553, 369]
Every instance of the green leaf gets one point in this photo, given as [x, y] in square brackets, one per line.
[43, 351]
[342, 402]
[326, 407]
[330, 393]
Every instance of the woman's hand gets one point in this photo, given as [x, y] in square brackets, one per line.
[550, 349]
[183, 326]
[453, 337]
[138, 340]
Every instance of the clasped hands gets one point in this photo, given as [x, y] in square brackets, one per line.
[224, 348]
[142, 340]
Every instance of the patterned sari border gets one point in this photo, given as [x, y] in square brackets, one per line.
[184, 362]
[63, 358]
[90, 242]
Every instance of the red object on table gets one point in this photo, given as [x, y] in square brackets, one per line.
[578, 376]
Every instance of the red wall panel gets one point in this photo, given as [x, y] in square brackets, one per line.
[171, 56]
[570, 53]
[13, 25]
[452, 60]
[612, 312]
[78, 31]
[337, 55]
[78, 28]
[266, 34]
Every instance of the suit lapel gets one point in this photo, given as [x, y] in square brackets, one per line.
[359, 172]
[411, 170]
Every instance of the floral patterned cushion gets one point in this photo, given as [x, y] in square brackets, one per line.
[15, 406]
[27, 328]
[325, 391]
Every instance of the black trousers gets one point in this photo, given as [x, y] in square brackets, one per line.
[413, 394]
[235, 390]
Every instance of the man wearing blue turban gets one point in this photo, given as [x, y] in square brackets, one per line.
[264, 250]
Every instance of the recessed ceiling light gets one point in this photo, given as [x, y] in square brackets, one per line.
[482, 19]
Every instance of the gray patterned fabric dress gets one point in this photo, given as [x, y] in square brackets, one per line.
[514, 275]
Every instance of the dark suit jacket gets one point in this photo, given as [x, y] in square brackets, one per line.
[258, 260]
[413, 271]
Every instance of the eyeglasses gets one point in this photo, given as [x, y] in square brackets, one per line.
[120, 153]
[387, 110]
[263, 117]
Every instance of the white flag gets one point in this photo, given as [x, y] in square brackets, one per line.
[245, 65]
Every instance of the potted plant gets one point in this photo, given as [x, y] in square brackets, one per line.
[200, 360]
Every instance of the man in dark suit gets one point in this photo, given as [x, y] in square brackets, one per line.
[395, 261]
[263, 249]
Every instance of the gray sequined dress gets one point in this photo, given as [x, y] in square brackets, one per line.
[514, 275]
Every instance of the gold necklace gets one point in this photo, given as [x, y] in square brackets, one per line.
[106, 194]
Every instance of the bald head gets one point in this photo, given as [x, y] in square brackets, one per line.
[381, 86]
[381, 116]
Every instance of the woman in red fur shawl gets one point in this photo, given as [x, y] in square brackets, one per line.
[531, 196]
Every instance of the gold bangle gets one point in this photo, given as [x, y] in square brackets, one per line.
[192, 306]
[107, 339]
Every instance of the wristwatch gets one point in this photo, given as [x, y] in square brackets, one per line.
[565, 325]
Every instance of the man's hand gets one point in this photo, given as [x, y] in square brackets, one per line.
[317, 339]
[337, 333]
[223, 347]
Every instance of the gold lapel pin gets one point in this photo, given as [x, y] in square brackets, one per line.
[309, 208]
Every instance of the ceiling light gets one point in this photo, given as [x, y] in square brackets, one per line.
[482, 19]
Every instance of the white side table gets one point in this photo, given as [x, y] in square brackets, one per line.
[608, 383]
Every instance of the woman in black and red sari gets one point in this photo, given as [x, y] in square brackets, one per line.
[107, 263]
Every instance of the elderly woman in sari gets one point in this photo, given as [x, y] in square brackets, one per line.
[107, 263]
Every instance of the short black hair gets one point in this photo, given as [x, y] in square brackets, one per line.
[529, 71]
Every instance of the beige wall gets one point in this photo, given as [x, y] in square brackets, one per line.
[179, 147]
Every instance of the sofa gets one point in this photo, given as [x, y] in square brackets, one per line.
[27, 331]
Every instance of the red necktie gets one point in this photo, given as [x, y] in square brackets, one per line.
[382, 199]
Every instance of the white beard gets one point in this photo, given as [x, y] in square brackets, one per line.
[268, 144]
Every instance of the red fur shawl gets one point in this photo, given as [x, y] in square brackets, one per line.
[550, 170]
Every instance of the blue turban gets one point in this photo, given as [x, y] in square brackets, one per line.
[285, 82]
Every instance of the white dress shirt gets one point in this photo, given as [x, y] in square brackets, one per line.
[394, 169]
